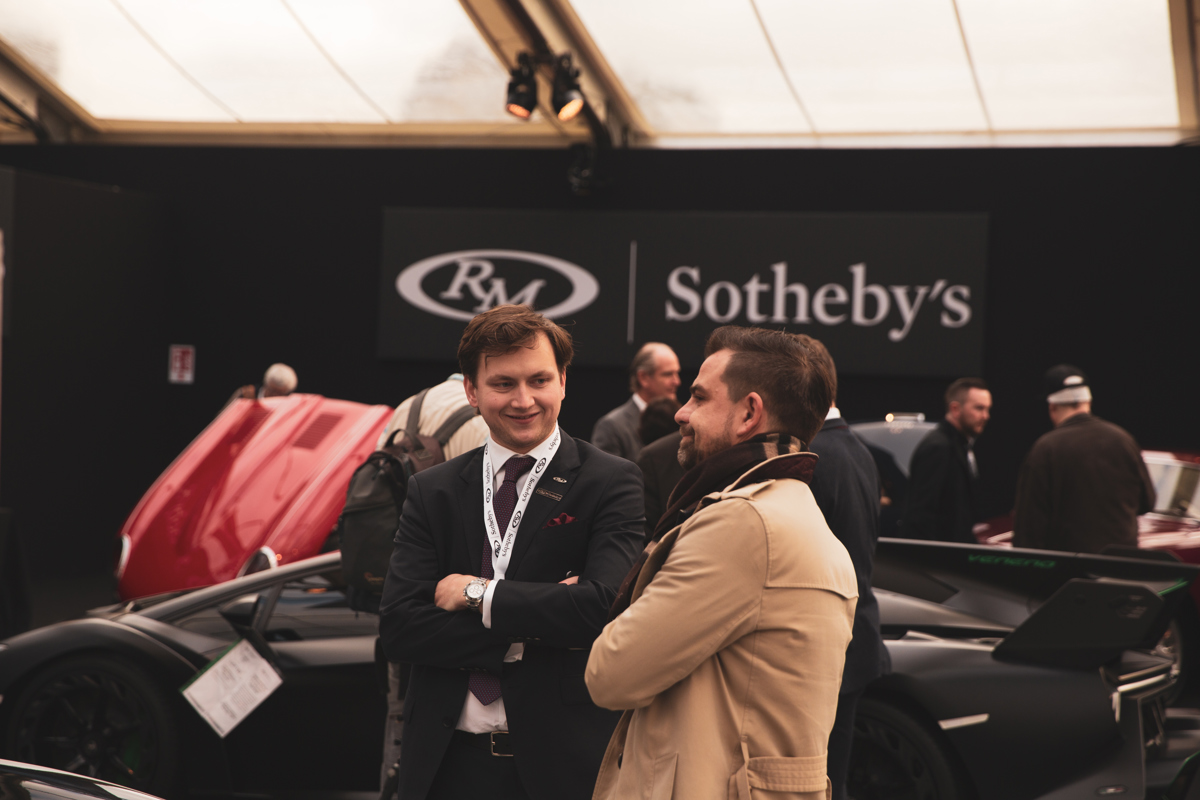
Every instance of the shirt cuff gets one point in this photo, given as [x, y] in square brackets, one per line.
[485, 608]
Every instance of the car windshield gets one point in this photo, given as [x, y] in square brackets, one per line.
[1177, 484]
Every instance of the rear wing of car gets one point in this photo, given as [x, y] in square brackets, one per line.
[1066, 609]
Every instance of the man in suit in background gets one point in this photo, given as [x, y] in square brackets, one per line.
[653, 373]
[941, 503]
[506, 561]
[845, 485]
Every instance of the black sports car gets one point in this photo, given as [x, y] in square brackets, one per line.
[1017, 674]
[101, 695]
[31, 782]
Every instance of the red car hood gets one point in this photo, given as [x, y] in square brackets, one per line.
[266, 473]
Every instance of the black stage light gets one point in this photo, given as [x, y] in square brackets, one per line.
[567, 99]
[522, 89]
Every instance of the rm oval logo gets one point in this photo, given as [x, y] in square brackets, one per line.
[472, 274]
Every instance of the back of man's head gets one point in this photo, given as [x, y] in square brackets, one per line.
[818, 352]
[796, 388]
[505, 328]
[279, 380]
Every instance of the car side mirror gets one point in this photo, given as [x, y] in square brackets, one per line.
[241, 612]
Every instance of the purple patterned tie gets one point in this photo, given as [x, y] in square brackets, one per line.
[484, 685]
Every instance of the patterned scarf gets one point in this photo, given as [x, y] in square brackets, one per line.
[748, 462]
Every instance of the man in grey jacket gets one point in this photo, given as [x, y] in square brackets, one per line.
[654, 373]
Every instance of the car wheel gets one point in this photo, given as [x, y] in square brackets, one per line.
[895, 757]
[99, 716]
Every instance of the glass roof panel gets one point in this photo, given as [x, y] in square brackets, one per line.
[1073, 64]
[420, 61]
[694, 66]
[876, 65]
[364, 61]
[94, 55]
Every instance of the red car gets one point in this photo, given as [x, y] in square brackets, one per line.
[261, 486]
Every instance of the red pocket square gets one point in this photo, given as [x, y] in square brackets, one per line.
[561, 519]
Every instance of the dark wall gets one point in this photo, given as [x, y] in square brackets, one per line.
[273, 254]
[84, 418]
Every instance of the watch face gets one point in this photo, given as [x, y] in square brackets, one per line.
[475, 590]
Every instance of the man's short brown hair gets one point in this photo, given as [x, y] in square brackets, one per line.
[796, 388]
[957, 391]
[503, 329]
[820, 353]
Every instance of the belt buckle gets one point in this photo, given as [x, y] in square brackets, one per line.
[492, 740]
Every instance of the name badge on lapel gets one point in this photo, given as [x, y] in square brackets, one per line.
[547, 493]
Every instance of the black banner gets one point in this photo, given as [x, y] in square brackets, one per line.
[889, 294]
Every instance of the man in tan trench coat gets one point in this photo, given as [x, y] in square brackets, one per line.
[729, 637]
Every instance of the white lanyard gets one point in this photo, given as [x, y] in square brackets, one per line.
[502, 542]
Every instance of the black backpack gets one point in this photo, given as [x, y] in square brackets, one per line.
[367, 525]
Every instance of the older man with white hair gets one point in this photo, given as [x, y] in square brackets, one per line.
[654, 373]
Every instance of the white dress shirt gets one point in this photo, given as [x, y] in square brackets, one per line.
[475, 716]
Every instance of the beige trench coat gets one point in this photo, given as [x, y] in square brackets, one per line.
[730, 657]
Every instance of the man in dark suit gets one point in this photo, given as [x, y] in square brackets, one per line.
[496, 706]
[940, 503]
[845, 485]
[654, 373]
[659, 463]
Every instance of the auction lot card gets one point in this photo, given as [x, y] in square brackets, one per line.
[233, 685]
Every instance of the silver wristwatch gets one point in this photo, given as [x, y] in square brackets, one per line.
[473, 591]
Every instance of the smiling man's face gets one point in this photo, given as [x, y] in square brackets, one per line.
[518, 394]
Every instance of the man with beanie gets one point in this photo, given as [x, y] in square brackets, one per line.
[1083, 484]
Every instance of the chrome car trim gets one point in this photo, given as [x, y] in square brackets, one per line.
[1133, 687]
[962, 722]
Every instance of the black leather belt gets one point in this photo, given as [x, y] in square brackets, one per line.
[497, 742]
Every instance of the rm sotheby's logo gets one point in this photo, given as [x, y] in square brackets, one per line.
[472, 274]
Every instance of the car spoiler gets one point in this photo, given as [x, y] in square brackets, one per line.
[1067, 609]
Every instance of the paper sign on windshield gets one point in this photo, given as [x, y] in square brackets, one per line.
[232, 686]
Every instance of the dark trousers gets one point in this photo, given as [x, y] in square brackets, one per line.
[840, 739]
[467, 773]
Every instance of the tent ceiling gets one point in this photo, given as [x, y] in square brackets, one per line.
[657, 72]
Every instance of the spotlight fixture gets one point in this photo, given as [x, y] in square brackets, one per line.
[567, 100]
[522, 89]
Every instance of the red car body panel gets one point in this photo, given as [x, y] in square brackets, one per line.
[265, 473]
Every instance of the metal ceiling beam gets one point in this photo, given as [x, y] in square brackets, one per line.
[1184, 34]
[50, 115]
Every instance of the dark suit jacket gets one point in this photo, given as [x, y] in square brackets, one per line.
[845, 484]
[940, 503]
[659, 462]
[558, 735]
[617, 431]
[1081, 488]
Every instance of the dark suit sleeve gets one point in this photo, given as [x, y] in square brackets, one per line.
[1031, 513]
[411, 627]
[654, 494]
[558, 615]
[1148, 496]
[927, 481]
[606, 438]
